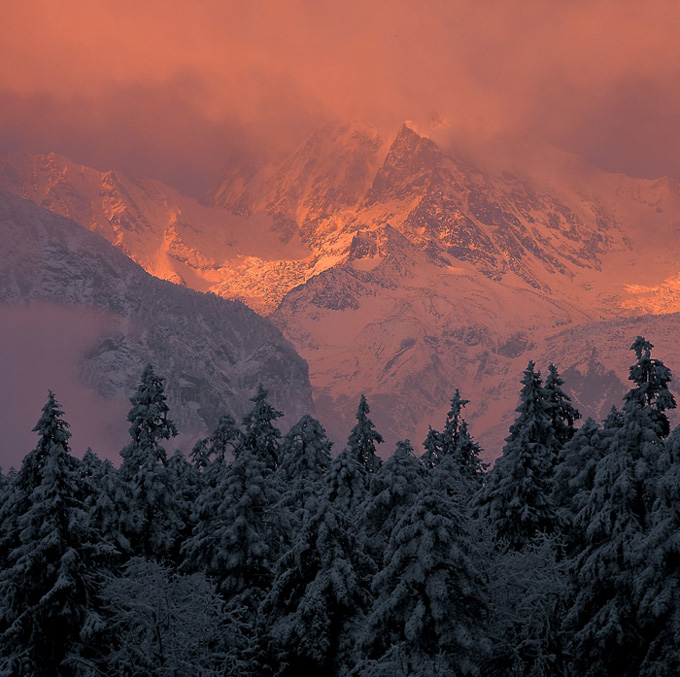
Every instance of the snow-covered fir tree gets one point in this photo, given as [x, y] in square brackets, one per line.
[575, 476]
[261, 436]
[364, 437]
[237, 538]
[305, 457]
[103, 499]
[392, 490]
[433, 448]
[430, 595]
[347, 482]
[225, 440]
[659, 581]
[209, 457]
[320, 587]
[44, 582]
[610, 635]
[650, 393]
[563, 414]
[186, 481]
[456, 441]
[516, 498]
[152, 519]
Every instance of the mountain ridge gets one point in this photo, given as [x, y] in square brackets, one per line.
[213, 352]
[418, 272]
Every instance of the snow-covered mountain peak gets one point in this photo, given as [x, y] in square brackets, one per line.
[395, 265]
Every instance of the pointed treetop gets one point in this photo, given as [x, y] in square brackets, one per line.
[433, 448]
[149, 405]
[457, 405]
[54, 436]
[562, 413]
[364, 437]
[449, 436]
[51, 427]
[150, 422]
[651, 378]
[641, 346]
[532, 407]
[517, 494]
[457, 442]
[261, 436]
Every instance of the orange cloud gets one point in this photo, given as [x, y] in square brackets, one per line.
[259, 73]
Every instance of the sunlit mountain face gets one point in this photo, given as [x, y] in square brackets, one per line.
[403, 270]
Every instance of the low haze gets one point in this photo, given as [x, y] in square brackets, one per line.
[51, 339]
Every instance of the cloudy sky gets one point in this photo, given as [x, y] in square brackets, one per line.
[178, 89]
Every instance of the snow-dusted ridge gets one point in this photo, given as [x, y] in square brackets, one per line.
[214, 352]
[397, 268]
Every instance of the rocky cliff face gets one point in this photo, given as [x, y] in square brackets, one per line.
[213, 352]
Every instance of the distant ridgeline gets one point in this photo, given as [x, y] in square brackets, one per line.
[262, 554]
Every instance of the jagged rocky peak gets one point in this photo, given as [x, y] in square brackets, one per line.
[498, 223]
[364, 245]
[99, 201]
[330, 171]
[49, 180]
[379, 243]
[408, 167]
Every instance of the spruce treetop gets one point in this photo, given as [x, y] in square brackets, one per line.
[53, 431]
[51, 426]
[457, 442]
[533, 422]
[517, 495]
[149, 415]
[433, 448]
[454, 418]
[651, 378]
[364, 437]
[261, 436]
[562, 413]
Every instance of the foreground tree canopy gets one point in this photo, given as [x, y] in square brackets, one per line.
[266, 555]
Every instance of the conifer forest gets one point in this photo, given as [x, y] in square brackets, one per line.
[264, 553]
